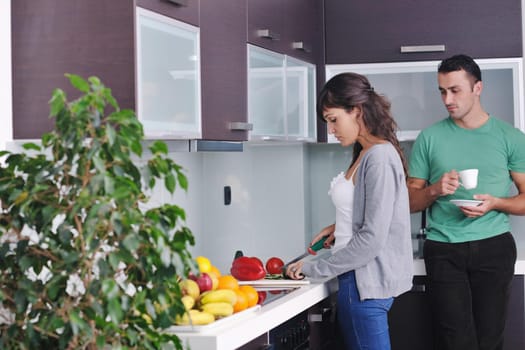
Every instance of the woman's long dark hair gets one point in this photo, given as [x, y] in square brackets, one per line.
[348, 90]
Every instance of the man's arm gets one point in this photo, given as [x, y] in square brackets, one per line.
[514, 205]
[422, 195]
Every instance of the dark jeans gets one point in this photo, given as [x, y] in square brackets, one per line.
[468, 285]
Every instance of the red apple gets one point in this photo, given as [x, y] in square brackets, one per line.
[204, 281]
[262, 296]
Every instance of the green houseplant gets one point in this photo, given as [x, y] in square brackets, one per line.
[84, 263]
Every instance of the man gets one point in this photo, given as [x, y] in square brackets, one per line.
[469, 252]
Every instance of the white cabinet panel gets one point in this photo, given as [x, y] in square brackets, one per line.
[281, 97]
[168, 77]
[300, 99]
[266, 104]
[412, 89]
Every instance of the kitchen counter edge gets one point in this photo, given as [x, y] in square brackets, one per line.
[233, 335]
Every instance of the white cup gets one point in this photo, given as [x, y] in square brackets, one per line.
[468, 178]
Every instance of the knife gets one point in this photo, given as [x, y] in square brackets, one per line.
[312, 250]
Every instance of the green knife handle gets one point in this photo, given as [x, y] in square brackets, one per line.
[317, 245]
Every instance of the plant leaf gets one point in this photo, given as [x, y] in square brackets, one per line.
[78, 82]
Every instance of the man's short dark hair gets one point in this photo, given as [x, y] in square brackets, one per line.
[461, 62]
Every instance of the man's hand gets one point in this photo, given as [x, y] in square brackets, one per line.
[447, 184]
[489, 203]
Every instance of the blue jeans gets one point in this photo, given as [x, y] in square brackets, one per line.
[364, 324]
[468, 285]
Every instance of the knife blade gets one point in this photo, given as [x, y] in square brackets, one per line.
[312, 250]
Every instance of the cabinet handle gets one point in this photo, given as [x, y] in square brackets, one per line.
[181, 3]
[269, 138]
[300, 45]
[422, 48]
[241, 126]
[268, 34]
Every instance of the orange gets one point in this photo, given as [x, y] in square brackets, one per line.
[228, 282]
[214, 271]
[242, 301]
[251, 295]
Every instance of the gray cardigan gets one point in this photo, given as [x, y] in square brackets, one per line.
[380, 250]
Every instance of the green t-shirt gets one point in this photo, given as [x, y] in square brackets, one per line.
[496, 148]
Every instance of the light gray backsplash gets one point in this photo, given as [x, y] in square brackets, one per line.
[266, 216]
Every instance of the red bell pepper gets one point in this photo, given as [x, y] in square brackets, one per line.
[247, 269]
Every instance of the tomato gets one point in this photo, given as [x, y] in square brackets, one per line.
[274, 265]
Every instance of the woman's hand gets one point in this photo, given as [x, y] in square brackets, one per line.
[294, 271]
[328, 231]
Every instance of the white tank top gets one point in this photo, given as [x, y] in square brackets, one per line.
[342, 193]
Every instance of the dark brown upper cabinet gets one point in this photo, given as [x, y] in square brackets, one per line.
[223, 69]
[182, 10]
[266, 24]
[291, 27]
[54, 37]
[393, 31]
[303, 31]
[88, 38]
[98, 38]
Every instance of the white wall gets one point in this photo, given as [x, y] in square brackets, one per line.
[267, 214]
[5, 74]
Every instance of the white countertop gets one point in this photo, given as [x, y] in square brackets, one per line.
[231, 335]
[237, 333]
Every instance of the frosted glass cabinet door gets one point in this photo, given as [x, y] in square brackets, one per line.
[300, 100]
[412, 89]
[168, 77]
[266, 96]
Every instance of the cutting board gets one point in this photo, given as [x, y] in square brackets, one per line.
[276, 283]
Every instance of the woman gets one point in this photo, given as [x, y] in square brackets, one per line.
[372, 254]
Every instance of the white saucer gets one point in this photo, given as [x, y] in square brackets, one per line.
[466, 202]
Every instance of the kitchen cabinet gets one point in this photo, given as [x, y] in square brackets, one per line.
[101, 38]
[97, 38]
[294, 28]
[265, 23]
[168, 76]
[281, 97]
[303, 30]
[410, 319]
[224, 70]
[210, 102]
[54, 37]
[291, 27]
[300, 100]
[376, 31]
[183, 10]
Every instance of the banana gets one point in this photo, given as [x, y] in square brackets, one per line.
[188, 302]
[194, 317]
[219, 309]
[219, 296]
